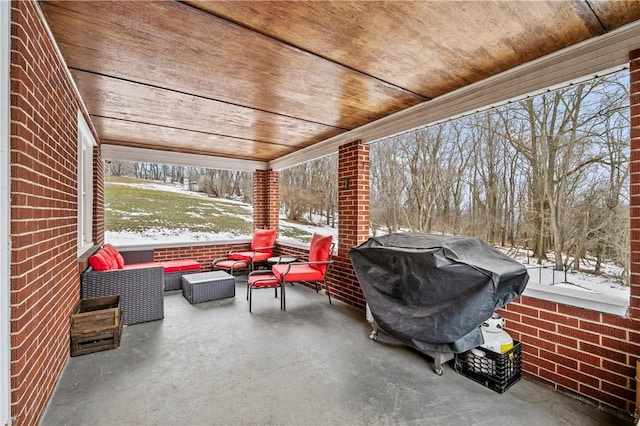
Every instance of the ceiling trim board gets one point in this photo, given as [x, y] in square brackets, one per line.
[146, 155]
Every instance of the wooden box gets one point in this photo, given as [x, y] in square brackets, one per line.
[96, 325]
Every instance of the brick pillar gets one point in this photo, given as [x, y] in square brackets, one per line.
[634, 179]
[266, 199]
[353, 219]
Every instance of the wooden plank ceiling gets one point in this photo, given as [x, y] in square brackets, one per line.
[259, 80]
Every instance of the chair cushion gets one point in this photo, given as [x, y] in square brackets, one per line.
[101, 261]
[169, 265]
[115, 254]
[247, 255]
[319, 251]
[263, 280]
[229, 264]
[264, 238]
[297, 273]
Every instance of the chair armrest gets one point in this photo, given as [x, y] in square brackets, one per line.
[220, 259]
[289, 265]
[239, 247]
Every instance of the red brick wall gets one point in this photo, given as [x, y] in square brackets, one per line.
[205, 254]
[577, 351]
[353, 217]
[266, 199]
[634, 167]
[44, 272]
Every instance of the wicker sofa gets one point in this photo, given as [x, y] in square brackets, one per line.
[141, 291]
[141, 285]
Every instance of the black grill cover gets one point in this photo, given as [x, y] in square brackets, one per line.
[432, 292]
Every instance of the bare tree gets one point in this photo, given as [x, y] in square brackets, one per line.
[388, 194]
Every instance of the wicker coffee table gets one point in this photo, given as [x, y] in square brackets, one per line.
[206, 286]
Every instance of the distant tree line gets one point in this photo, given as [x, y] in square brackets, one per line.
[216, 183]
[549, 173]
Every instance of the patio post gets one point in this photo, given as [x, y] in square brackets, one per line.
[353, 219]
[266, 199]
[634, 182]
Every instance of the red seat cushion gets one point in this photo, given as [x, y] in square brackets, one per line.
[297, 273]
[263, 280]
[231, 264]
[247, 255]
[319, 251]
[169, 265]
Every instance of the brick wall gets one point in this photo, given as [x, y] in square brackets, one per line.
[634, 179]
[204, 254]
[266, 199]
[353, 214]
[44, 272]
[577, 351]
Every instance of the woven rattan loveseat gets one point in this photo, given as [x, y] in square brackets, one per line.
[141, 291]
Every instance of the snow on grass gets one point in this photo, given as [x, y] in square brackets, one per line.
[604, 283]
[164, 235]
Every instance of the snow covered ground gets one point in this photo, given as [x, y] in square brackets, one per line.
[576, 280]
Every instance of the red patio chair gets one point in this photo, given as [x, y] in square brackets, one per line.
[313, 271]
[264, 279]
[262, 245]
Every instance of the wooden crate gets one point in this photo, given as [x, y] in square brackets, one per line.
[108, 338]
[96, 325]
[95, 314]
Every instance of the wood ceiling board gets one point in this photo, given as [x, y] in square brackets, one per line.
[177, 47]
[170, 139]
[121, 99]
[614, 14]
[429, 48]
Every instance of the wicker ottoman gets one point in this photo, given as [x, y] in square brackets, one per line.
[206, 286]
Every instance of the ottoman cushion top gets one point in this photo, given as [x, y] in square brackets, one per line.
[206, 277]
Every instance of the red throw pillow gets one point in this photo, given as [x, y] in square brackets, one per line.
[264, 238]
[319, 251]
[115, 255]
[98, 261]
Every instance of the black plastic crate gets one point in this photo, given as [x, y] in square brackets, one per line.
[491, 369]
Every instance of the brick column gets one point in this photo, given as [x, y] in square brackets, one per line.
[266, 199]
[353, 219]
[634, 179]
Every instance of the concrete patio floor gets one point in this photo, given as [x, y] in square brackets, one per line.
[215, 363]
